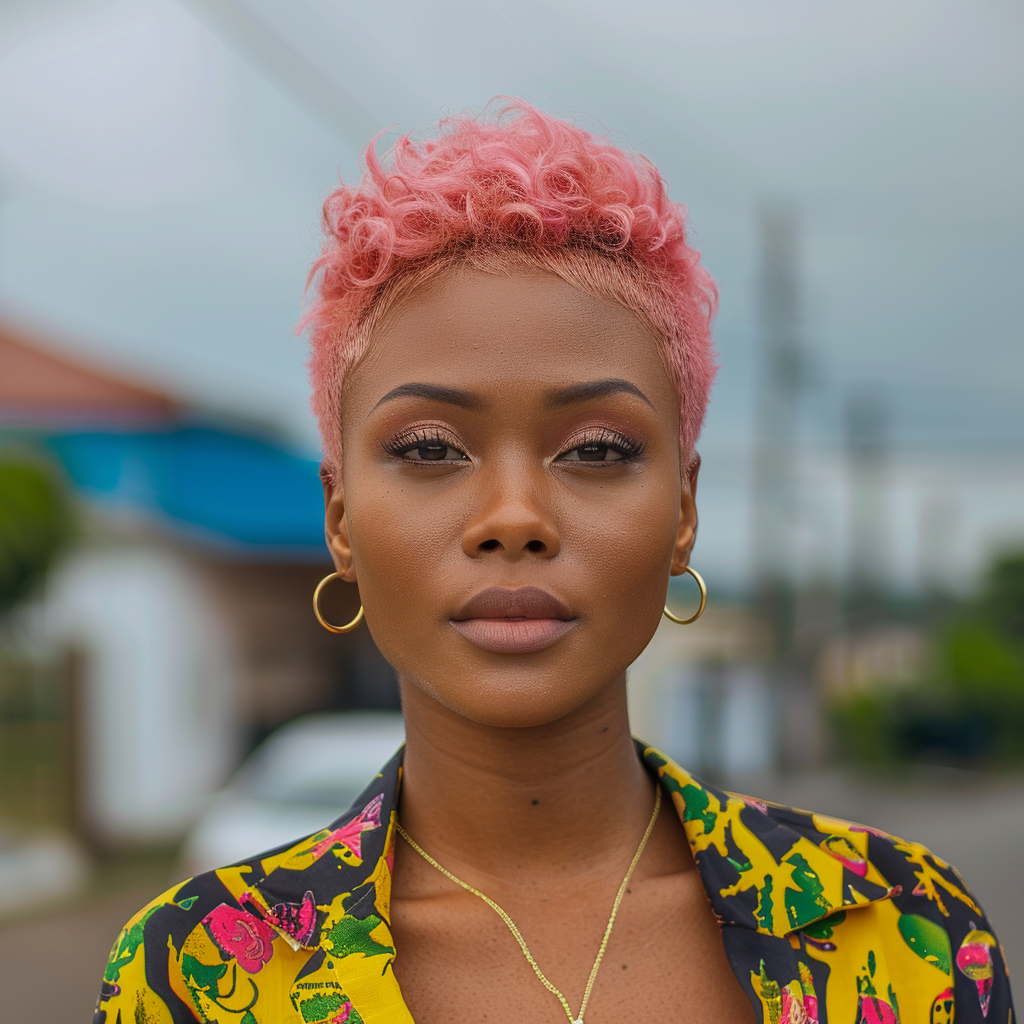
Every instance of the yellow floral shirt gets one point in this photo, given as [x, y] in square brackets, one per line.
[824, 922]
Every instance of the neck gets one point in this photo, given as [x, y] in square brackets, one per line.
[523, 802]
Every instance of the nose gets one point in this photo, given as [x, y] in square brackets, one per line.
[512, 518]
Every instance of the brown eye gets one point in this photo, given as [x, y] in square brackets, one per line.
[432, 451]
[428, 445]
[603, 447]
[593, 452]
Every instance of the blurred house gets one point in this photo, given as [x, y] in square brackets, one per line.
[886, 656]
[183, 619]
[702, 693]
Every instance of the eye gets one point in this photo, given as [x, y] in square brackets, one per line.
[603, 447]
[432, 451]
[424, 447]
[592, 452]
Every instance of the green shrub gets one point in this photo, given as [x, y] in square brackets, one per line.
[1002, 600]
[35, 524]
[968, 706]
[865, 728]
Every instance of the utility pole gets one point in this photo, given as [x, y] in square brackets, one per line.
[867, 439]
[782, 377]
[780, 380]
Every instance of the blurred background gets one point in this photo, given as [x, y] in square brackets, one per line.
[853, 181]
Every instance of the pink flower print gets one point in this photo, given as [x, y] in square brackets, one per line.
[974, 958]
[343, 1015]
[296, 919]
[793, 1009]
[241, 935]
[811, 1007]
[875, 1011]
[351, 835]
[810, 996]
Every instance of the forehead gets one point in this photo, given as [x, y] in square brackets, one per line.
[510, 332]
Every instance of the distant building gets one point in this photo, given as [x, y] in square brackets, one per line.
[701, 693]
[884, 657]
[184, 616]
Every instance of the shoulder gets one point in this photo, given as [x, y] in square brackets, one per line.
[849, 922]
[909, 868]
[927, 948]
[195, 948]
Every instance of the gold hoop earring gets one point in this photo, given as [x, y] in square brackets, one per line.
[349, 626]
[703, 601]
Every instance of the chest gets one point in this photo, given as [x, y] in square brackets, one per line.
[457, 962]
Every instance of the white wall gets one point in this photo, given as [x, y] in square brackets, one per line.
[159, 728]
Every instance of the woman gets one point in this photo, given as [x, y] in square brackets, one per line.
[511, 363]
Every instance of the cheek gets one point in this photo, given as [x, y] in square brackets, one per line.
[401, 550]
[628, 549]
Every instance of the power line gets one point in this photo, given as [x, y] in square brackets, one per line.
[335, 108]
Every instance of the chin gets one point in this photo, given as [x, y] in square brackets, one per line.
[510, 697]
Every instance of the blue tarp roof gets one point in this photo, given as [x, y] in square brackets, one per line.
[222, 485]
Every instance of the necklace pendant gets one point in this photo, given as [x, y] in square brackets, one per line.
[578, 1020]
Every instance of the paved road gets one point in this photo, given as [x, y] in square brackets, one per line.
[50, 966]
[976, 823]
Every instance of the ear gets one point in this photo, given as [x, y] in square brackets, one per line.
[686, 535]
[336, 522]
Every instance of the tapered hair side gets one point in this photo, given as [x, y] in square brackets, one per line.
[507, 189]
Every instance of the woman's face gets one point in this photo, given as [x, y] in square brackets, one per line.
[512, 502]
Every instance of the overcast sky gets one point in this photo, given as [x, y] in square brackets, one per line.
[162, 167]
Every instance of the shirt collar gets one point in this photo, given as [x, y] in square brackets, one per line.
[764, 867]
[769, 868]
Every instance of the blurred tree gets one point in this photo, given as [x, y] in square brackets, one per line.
[968, 705]
[866, 729]
[1002, 601]
[36, 522]
[984, 671]
[979, 661]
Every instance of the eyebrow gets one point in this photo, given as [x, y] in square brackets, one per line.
[436, 393]
[594, 389]
[557, 399]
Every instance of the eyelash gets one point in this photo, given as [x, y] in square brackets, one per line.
[628, 448]
[401, 444]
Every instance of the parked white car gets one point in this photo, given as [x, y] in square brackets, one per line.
[296, 782]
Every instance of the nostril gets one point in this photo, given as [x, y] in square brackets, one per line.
[490, 545]
[536, 546]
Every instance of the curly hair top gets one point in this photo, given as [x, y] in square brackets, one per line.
[508, 189]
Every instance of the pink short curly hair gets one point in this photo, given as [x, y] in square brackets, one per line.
[509, 189]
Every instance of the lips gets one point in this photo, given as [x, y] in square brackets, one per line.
[523, 620]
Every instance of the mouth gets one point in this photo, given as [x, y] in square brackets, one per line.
[523, 620]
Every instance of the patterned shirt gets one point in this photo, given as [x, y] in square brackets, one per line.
[823, 921]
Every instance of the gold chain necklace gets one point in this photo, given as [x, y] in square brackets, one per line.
[578, 1018]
